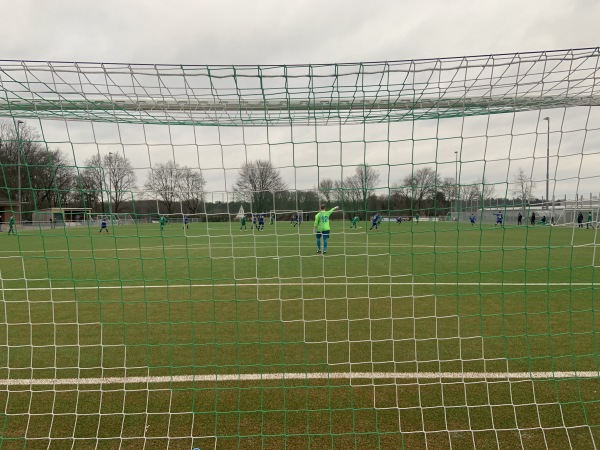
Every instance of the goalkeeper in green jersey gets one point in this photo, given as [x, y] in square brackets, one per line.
[11, 225]
[355, 221]
[322, 228]
[243, 223]
[162, 221]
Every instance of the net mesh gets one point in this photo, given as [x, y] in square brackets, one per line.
[163, 286]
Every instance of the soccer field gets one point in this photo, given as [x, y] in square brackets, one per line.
[469, 337]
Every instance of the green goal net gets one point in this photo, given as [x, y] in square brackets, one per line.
[174, 273]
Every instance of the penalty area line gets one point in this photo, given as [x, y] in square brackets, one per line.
[229, 285]
[300, 376]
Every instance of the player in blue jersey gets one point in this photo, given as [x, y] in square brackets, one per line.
[261, 222]
[498, 218]
[185, 222]
[253, 222]
[375, 222]
[399, 220]
[472, 219]
[104, 225]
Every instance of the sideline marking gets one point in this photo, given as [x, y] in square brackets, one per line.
[299, 376]
[325, 284]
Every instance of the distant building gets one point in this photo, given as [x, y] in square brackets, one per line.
[61, 215]
[10, 208]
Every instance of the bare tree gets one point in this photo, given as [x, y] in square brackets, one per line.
[91, 184]
[477, 192]
[46, 178]
[163, 182]
[88, 186]
[326, 189]
[523, 185]
[257, 183]
[111, 175]
[350, 193]
[354, 191]
[338, 191]
[365, 178]
[485, 190]
[480, 190]
[191, 189]
[449, 188]
[54, 180]
[469, 193]
[422, 185]
[121, 178]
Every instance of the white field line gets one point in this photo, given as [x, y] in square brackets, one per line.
[226, 246]
[366, 283]
[300, 376]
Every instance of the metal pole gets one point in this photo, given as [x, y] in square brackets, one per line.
[547, 162]
[19, 123]
[110, 185]
[456, 206]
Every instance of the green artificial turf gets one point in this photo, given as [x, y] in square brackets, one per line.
[427, 297]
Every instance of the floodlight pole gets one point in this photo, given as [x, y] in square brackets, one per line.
[110, 185]
[547, 162]
[20, 139]
[456, 185]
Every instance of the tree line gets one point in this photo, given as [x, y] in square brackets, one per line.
[43, 177]
[108, 183]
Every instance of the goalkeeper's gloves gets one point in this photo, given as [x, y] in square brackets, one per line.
[314, 230]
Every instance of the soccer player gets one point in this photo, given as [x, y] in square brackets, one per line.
[253, 221]
[261, 222]
[519, 219]
[355, 221]
[589, 221]
[322, 228]
[399, 220]
[104, 225]
[498, 218]
[243, 223]
[580, 219]
[472, 219]
[11, 225]
[417, 217]
[533, 218]
[375, 222]
[271, 219]
[185, 222]
[162, 221]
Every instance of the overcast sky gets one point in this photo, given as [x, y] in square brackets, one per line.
[279, 32]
